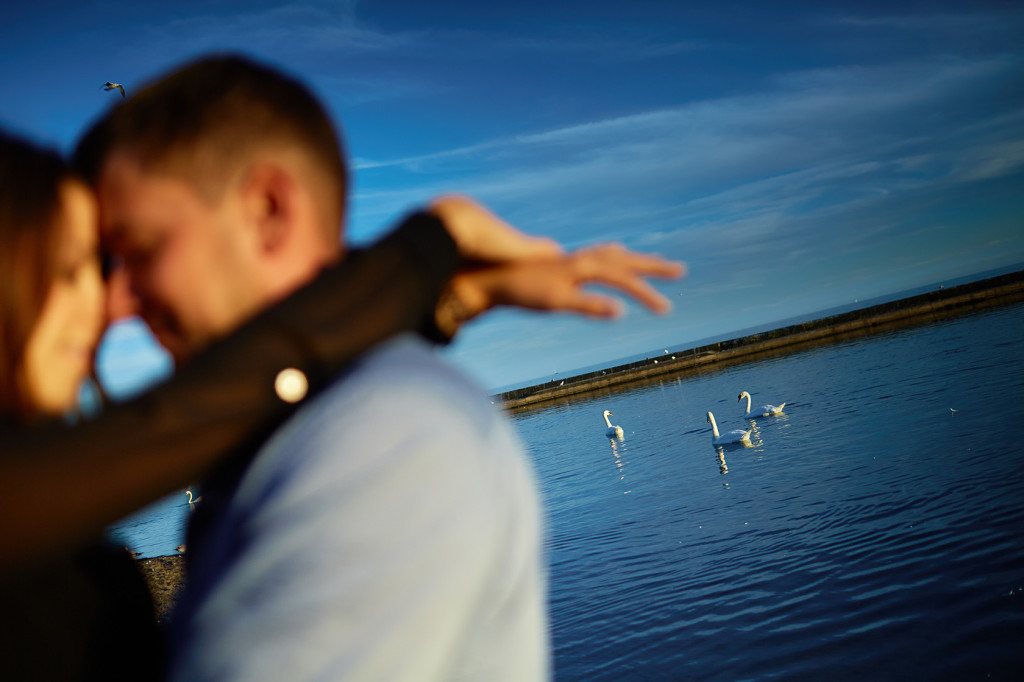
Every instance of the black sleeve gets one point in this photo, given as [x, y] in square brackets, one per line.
[63, 484]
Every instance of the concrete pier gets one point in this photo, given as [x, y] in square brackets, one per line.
[165, 577]
[913, 311]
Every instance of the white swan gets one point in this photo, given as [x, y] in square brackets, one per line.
[190, 500]
[735, 436]
[763, 411]
[612, 431]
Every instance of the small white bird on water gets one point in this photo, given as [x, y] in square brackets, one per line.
[734, 436]
[114, 86]
[763, 411]
[612, 431]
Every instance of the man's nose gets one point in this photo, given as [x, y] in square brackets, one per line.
[121, 301]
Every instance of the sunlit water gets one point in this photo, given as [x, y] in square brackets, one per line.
[869, 533]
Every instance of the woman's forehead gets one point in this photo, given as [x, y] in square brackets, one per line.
[78, 217]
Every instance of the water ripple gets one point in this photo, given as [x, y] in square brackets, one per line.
[870, 534]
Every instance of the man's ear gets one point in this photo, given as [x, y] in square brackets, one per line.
[269, 204]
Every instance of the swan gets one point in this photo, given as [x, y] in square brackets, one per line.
[612, 431]
[763, 411]
[736, 436]
[190, 500]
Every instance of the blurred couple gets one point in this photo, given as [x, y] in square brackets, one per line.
[367, 513]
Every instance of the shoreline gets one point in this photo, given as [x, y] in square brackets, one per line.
[907, 312]
[165, 577]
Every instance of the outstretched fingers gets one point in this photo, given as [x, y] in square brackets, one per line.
[590, 304]
[557, 284]
[615, 266]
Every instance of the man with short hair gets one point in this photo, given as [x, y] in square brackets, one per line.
[391, 529]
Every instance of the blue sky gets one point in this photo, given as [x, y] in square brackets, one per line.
[796, 155]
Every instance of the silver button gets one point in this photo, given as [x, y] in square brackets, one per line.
[291, 385]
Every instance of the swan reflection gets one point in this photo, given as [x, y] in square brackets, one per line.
[722, 467]
[755, 442]
[618, 452]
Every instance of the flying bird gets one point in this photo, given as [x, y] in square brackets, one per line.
[114, 86]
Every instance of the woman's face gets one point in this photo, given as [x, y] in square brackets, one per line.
[60, 347]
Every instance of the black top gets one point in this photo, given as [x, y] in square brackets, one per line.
[84, 615]
[63, 484]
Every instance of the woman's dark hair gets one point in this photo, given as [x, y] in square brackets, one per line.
[30, 181]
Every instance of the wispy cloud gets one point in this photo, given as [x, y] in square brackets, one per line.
[617, 47]
[975, 19]
[825, 176]
[867, 131]
[786, 153]
[305, 36]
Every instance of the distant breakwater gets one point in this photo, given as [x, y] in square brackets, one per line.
[915, 310]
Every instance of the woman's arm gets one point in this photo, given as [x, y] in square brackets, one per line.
[63, 484]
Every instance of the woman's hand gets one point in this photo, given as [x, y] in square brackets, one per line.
[482, 236]
[556, 284]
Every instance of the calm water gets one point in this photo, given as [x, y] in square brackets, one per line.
[156, 530]
[870, 533]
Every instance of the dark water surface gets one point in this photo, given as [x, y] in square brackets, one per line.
[869, 533]
[156, 530]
